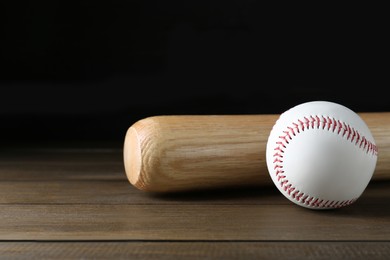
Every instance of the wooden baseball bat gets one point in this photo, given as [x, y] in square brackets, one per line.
[188, 152]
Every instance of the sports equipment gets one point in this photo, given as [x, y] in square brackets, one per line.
[170, 153]
[321, 155]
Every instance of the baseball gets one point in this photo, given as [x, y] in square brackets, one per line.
[321, 155]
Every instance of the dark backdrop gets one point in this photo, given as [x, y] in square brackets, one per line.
[87, 71]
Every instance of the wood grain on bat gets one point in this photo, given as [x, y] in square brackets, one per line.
[186, 152]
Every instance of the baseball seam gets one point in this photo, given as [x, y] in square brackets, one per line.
[316, 122]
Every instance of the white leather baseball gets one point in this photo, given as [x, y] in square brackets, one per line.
[321, 155]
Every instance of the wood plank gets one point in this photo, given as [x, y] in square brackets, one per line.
[122, 192]
[195, 250]
[54, 154]
[193, 222]
[62, 164]
[64, 172]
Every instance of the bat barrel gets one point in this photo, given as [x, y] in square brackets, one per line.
[379, 124]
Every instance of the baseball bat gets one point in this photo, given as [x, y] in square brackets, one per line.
[170, 153]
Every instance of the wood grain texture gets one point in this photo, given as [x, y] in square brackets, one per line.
[379, 124]
[120, 192]
[377, 250]
[174, 153]
[33, 164]
[185, 152]
[105, 191]
[193, 222]
[78, 204]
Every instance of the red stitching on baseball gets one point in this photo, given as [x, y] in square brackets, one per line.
[311, 122]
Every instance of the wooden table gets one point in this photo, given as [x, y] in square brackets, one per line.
[76, 203]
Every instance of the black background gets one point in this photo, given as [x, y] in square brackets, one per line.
[85, 72]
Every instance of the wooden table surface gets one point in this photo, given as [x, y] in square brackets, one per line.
[76, 203]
